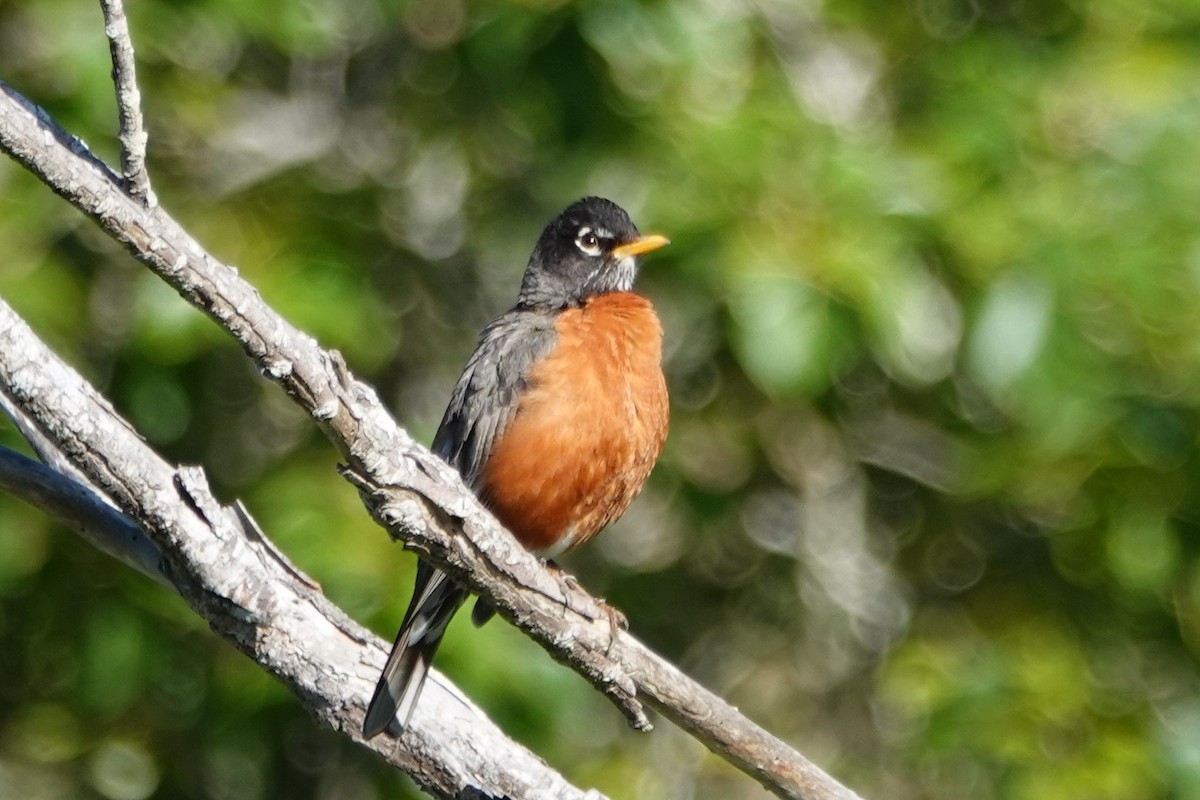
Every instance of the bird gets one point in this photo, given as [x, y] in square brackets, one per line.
[556, 422]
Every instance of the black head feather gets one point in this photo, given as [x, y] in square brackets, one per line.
[580, 254]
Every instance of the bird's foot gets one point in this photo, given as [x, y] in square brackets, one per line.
[616, 619]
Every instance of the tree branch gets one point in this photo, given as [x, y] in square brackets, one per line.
[233, 577]
[415, 494]
[133, 136]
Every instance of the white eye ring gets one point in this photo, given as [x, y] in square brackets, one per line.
[588, 242]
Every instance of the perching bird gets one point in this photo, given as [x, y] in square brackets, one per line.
[556, 421]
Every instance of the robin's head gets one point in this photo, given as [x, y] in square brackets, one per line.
[589, 249]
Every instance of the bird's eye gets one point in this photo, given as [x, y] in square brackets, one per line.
[588, 242]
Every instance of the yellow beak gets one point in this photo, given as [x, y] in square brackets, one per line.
[642, 244]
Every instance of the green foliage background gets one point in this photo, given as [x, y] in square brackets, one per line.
[930, 503]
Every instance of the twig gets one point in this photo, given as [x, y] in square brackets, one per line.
[232, 578]
[133, 136]
[416, 494]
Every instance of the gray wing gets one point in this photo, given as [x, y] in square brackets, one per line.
[481, 407]
[487, 395]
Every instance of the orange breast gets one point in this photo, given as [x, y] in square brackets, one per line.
[587, 431]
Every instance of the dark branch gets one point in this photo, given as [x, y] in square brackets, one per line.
[82, 510]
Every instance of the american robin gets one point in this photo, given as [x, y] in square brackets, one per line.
[555, 423]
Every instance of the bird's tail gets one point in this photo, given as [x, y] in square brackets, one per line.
[435, 599]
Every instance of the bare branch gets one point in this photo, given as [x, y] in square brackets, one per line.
[236, 580]
[418, 496]
[133, 136]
